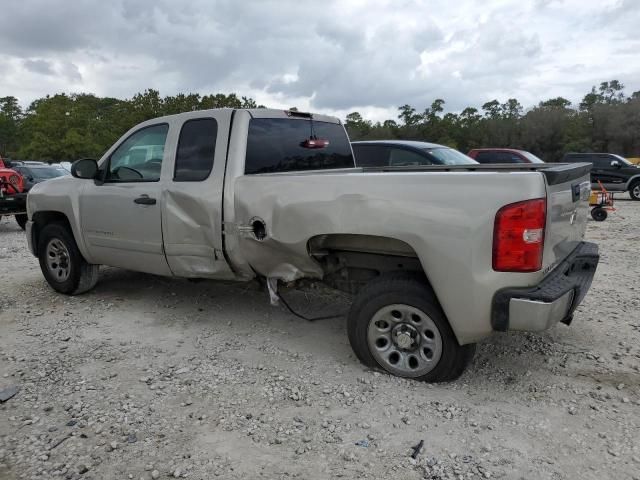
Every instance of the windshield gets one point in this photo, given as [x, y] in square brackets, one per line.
[531, 157]
[449, 156]
[45, 173]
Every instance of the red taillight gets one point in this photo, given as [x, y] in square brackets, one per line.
[518, 236]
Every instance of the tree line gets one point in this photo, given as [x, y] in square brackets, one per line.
[67, 127]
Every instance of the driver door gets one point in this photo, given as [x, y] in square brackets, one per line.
[121, 218]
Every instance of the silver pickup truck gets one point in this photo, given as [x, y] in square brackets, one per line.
[239, 194]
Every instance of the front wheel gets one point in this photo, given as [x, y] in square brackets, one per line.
[21, 219]
[634, 190]
[61, 262]
[397, 324]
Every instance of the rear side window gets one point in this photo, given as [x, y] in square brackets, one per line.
[485, 157]
[399, 157]
[508, 157]
[276, 145]
[498, 157]
[196, 149]
[602, 162]
[371, 155]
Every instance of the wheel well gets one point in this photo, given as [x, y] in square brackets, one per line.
[350, 261]
[41, 219]
[632, 181]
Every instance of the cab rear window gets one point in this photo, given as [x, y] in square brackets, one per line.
[277, 145]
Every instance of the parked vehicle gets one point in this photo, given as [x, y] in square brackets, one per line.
[34, 173]
[602, 203]
[399, 153]
[239, 194]
[615, 173]
[29, 162]
[13, 200]
[503, 155]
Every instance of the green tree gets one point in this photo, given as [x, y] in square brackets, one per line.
[558, 102]
[357, 127]
[69, 126]
[409, 116]
[10, 118]
[492, 109]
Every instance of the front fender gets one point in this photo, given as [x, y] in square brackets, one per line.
[59, 196]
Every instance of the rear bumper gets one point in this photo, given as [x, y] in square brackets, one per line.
[13, 204]
[551, 301]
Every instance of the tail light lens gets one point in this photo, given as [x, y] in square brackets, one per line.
[518, 236]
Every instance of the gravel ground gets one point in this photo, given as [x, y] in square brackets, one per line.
[148, 377]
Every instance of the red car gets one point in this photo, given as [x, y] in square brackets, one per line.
[13, 200]
[502, 155]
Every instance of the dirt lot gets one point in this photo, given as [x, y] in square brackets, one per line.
[149, 377]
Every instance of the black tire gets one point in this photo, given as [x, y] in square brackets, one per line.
[413, 291]
[634, 190]
[81, 276]
[21, 219]
[599, 214]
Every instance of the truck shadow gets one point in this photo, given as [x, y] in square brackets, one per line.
[9, 225]
[242, 310]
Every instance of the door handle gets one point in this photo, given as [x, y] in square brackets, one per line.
[145, 200]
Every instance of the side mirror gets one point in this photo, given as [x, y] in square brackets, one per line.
[86, 168]
[615, 164]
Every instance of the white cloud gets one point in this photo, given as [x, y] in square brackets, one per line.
[331, 56]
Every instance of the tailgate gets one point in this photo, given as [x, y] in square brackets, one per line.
[568, 189]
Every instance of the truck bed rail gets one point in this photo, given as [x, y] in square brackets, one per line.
[554, 172]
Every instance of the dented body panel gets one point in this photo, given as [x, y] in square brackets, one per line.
[450, 240]
[192, 211]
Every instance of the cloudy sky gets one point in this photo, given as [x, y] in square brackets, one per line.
[321, 55]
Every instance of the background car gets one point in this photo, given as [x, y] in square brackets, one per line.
[615, 173]
[399, 153]
[36, 172]
[503, 155]
[12, 195]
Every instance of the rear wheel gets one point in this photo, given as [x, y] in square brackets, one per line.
[634, 190]
[396, 324]
[599, 214]
[21, 219]
[61, 262]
